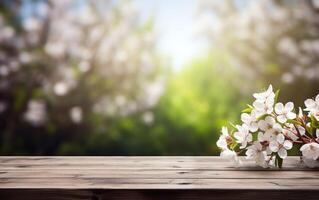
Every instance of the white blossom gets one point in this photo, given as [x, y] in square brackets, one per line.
[310, 162]
[281, 146]
[55, 49]
[264, 102]
[284, 112]
[300, 113]
[231, 156]
[222, 141]
[275, 137]
[266, 95]
[291, 132]
[270, 127]
[310, 150]
[256, 152]
[32, 24]
[301, 130]
[262, 108]
[313, 107]
[243, 136]
[76, 114]
[36, 112]
[148, 117]
[268, 21]
[84, 66]
[60, 88]
[4, 71]
[250, 120]
[262, 137]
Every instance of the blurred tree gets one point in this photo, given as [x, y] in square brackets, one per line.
[71, 68]
[197, 101]
[273, 41]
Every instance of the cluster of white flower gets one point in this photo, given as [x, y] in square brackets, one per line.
[270, 129]
[104, 41]
[269, 26]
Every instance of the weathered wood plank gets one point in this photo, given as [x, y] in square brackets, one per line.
[147, 163]
[122, 159]
[142, 174]
[151, 173]
[126, 183]
[155, 194]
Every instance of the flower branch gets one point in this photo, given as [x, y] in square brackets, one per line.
[270, 129]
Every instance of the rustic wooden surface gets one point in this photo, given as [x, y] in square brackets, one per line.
[182, 177]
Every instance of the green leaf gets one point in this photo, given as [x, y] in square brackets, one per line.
[247, 110]
[292, 121]
[278, 161]
[233, 125]
[235, 147]
[309, 130]
[314, 122]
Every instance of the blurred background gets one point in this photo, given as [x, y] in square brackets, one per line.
[145, 77]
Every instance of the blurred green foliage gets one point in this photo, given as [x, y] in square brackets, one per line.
[187, 118]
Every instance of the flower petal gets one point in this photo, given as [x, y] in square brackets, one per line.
[309, 103]
[282, 153]
[270, 120]
[253, 127]
[287, 144]
[250, 153]
[279, 108]
[301, 130]
[262, 125]
[238, 136]
[273, 146]
[222, 143]
[258, 146]
[291, 115]
[277, 127]
[304, 147]
[289, 106]
[258, 105]
[270, 102]
[300, 114]
[281, 118]
[260, 137]
[225, 131]
[245, 118]
[280, 138]
[269, 90]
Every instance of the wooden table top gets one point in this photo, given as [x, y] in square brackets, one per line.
[144, 172]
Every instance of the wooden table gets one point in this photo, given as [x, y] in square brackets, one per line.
[152, 178]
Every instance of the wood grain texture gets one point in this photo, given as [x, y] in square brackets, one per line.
[180, 194]
[152, 178]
